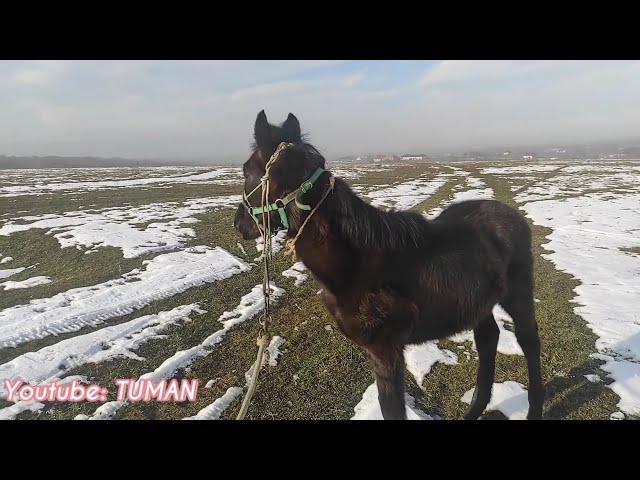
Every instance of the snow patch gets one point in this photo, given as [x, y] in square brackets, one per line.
[11, 271]
[28, 283]
[165, 275]
[212, 176]
[122, 227]
[49, 363]
[369, 408]
[420, 358]
[507, 341]
[211, 382]
[274, 350]
[476, 190]
[11, 412]
[518, 169]
[405, 195]
[588, 233]
[277, 242]
[296, 272]
[250, 305]
[217, 408]
[510, 398]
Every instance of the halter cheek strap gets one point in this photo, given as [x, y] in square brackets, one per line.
[281, 203]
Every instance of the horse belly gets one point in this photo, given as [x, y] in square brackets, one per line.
[449, 319]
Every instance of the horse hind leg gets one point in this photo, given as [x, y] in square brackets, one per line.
[486, 336]
[519, 304]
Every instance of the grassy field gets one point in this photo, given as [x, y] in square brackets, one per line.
[319, 374]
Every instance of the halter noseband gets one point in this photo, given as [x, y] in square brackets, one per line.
[281, 203]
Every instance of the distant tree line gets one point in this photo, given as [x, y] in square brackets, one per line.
[11, 162]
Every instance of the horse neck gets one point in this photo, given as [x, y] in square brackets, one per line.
[345, 229]
[326, 253]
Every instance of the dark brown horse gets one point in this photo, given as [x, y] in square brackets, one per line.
[394, 278]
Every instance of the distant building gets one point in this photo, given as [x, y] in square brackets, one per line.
[413, 157]
[527, 157]
[386, 158]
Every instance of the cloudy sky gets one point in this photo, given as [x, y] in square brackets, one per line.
[168, 109]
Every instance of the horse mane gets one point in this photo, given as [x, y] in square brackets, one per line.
[365, 226]
[357, 222]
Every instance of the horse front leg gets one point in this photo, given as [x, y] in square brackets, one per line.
[388, 366]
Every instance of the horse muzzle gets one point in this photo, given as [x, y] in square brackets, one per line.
[245, 225]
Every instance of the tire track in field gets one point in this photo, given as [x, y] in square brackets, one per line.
[250, 306]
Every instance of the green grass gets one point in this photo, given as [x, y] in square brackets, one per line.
[107, 198]
[321, 374]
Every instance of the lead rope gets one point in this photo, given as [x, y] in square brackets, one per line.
[265, 319]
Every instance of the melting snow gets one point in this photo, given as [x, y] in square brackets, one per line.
[296, 272]
[369, 409]
[11, 271]
[274, 350]
[573, 184]
[121, 227]
[519, 169]
[510, 398]
[214, 410]
[588, 233]
[211, 382]
[49, 363]
[165, 275]
[28, 283]
[476, 190]
[11, 412]
[507, 342]
[217, 408]
[277, 242]
[405, 195]
[250, 305]
[420, 358]
[206, 177]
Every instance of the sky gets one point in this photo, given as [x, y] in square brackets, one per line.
[194, 109]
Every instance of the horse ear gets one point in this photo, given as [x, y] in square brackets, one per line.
[291, 128]
[262, 130]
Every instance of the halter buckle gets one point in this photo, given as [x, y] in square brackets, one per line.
[306, 186]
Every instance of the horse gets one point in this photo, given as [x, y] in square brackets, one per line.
[394, 278]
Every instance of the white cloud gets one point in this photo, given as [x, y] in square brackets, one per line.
[185, 108]
[271, 89]
[31, 77]
[353, 79]
[452, 71]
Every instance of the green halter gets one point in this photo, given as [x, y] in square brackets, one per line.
[281, 203]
